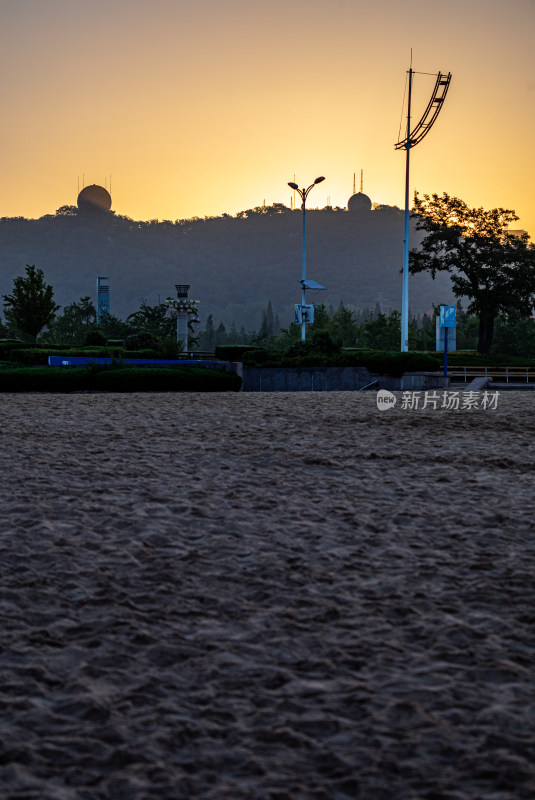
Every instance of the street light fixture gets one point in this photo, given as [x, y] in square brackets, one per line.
[303, 194]
[413, 137]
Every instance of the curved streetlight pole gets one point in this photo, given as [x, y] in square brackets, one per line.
[413, 137]
[303, 194]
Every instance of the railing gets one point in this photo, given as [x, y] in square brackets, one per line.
[506, 374]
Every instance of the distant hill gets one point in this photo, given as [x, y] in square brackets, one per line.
[234, 264]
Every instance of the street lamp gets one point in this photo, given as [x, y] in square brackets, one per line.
[413, 137]
[303, 194]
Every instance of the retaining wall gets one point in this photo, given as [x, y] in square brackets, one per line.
[330, 379]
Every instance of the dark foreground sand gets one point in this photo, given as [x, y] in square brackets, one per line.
[266, 597]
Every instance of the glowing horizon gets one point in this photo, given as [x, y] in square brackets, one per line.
[206, 109]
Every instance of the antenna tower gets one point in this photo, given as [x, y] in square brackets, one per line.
[414, 136]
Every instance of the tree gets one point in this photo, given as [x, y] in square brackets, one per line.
[73, 326]
[88, 311]
[492, 267]
[343, 322]
[267, 327]
[111, 327]
[67, 211]
[153, 319]
[31, 305]
[207, 336]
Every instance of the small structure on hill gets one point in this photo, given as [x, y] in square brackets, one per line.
[359, 202]
[94, 199]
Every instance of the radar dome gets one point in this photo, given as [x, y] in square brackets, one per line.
[359, 202]
[94, 198]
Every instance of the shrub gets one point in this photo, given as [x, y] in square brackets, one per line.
[171, 347]
[113, 379]
[182, 379]
[392, 363]
[259, 357]
[143, 341]
[32, 355]
[8, 346]
[234, 352]
[302, 354]
[473, 359]
[95, 338]
[323, 342]
[43, 379]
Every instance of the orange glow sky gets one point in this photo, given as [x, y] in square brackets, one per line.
[199, 107]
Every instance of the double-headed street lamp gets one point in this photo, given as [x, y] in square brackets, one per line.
[303, 193]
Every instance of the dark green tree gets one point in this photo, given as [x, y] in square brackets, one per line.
[30, 306]
[111, 327]
[380, 332]
[73, 326]
[157, 320]
[515, 336]
[221, 334]
[207, 336]
[88, 311]
[492, 267]
[343, 322]
[322, 320]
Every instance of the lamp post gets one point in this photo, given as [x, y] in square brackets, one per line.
[185, 309]
[303, 194]
[413, 137]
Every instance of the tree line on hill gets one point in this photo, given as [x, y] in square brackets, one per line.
[233, 263]
[488, 264]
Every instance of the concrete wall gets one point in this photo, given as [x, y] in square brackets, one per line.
[330, 379]
[304, 379]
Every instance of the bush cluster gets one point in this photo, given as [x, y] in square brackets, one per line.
[376, 361]
[117, 379]
[144, 340]
[234, 352]
[473, 359]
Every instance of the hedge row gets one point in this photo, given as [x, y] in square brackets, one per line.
[382, 362]
[125, 379]
[234, 352]
[35, 356]
[377, 361]
[471, 359]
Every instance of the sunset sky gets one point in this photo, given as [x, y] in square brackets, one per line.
[200, 107]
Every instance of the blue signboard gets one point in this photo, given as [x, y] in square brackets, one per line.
[447, 316]
[84, 361]
[303, 313]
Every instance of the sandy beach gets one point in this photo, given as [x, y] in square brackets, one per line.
[266, 597]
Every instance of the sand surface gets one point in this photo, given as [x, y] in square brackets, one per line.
[266, 597]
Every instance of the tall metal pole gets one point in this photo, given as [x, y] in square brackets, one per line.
[304, 267]
[405, 289]
[303, 194]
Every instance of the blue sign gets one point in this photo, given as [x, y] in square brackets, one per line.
[447, 316]
[303, 313]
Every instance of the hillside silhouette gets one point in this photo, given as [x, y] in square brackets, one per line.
[234, 264]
